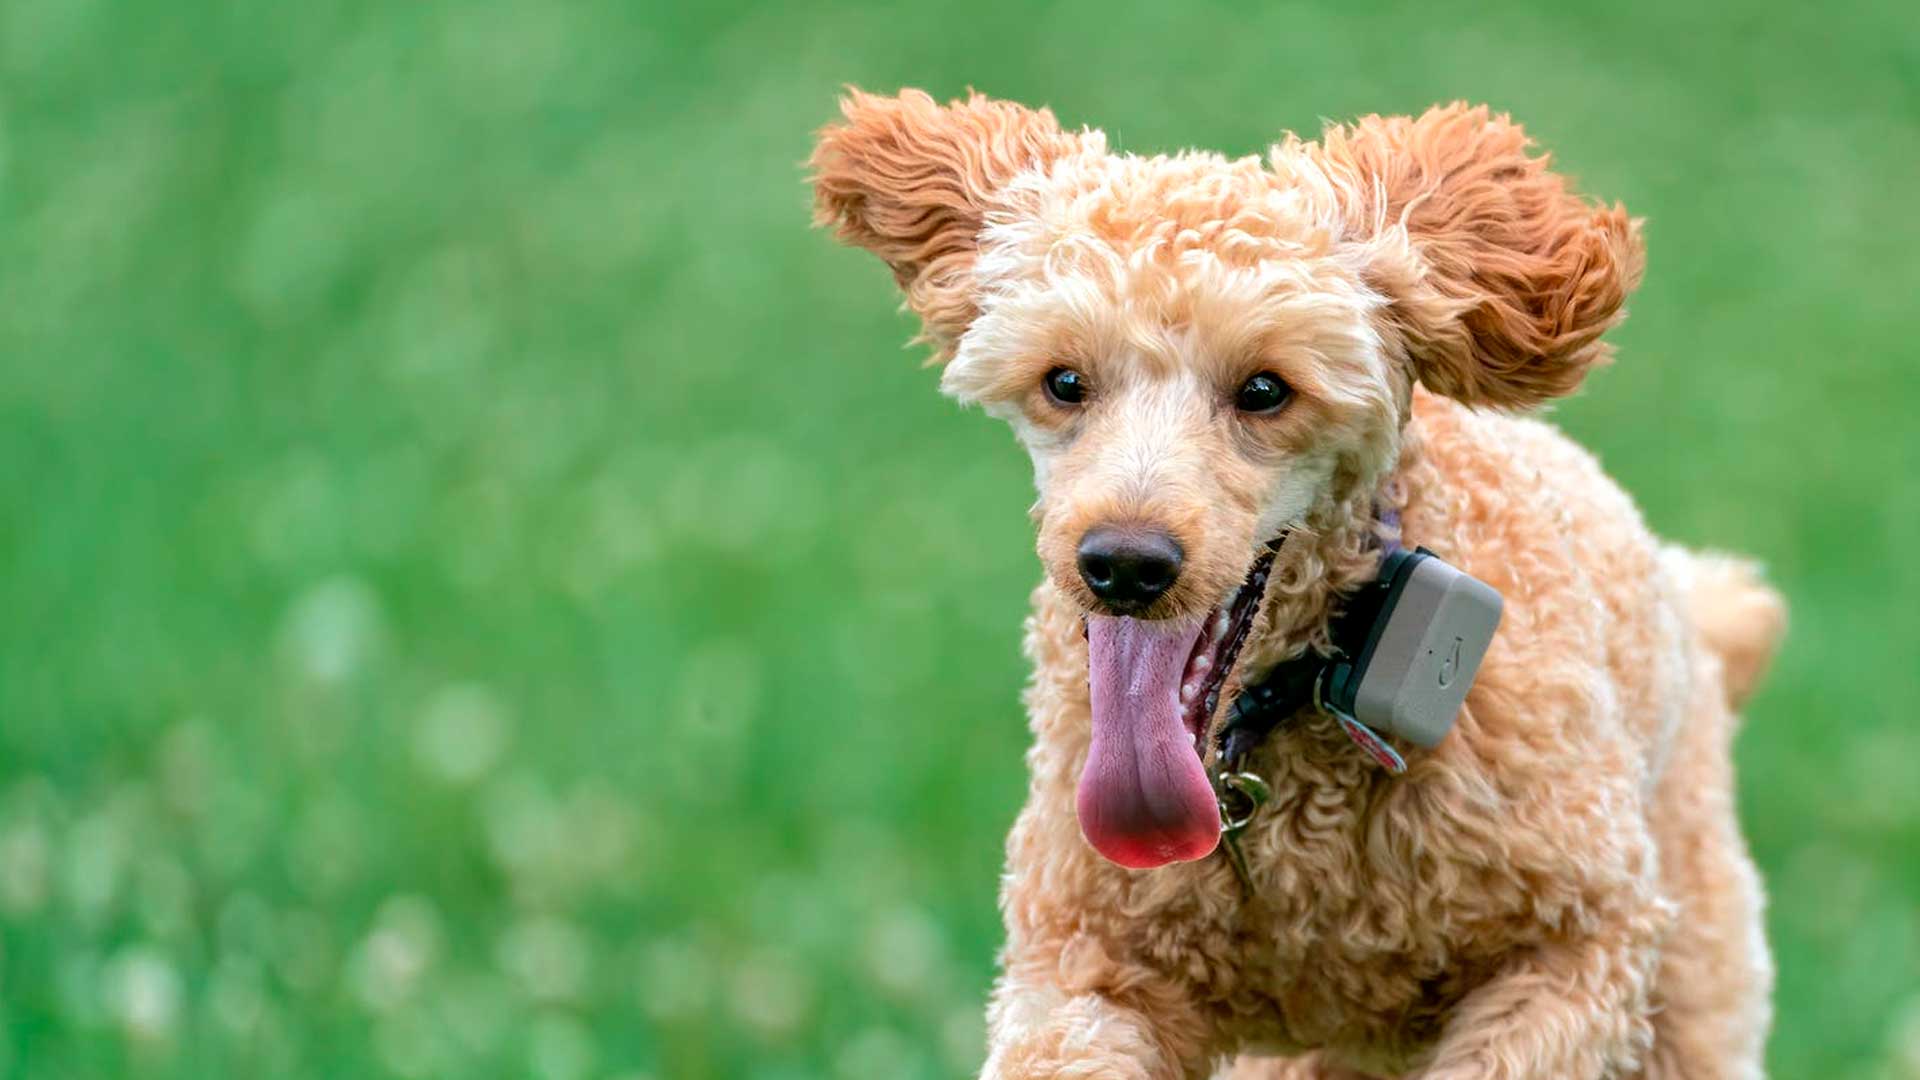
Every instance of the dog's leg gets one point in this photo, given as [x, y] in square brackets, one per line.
[1565, 1011]
[1048, 1020]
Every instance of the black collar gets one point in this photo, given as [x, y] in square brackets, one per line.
[1295, 684]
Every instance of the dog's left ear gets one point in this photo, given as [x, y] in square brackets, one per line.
[1500, 280]
[912, 181]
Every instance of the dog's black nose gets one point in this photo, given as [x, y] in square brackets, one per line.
[1128, 566]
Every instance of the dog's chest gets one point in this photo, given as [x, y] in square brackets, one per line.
[1357, 935]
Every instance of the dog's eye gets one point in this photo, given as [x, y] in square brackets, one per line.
[1066, 386]
[1264, 392]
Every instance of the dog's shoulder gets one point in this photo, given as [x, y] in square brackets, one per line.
[1543, 776]
[1590, 603]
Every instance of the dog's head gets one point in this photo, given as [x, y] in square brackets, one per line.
[1200, 353]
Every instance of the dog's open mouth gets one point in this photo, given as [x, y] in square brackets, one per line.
[1144, 797]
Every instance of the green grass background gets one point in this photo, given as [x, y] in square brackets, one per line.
[484, 592]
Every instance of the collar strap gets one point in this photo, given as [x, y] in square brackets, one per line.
[1313, 679]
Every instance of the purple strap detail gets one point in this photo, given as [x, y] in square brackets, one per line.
[1390, 517]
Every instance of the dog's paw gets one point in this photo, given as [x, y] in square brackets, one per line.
[1058, 1055]
[1066, 1070]
[1041, 1033]
[1462, 1070]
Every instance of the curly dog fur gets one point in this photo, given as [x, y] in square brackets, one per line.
[1559, 888]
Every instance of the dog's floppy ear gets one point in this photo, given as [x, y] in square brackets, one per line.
[1503, 280]
[912, 181]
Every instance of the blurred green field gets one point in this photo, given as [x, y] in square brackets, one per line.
[484, 592]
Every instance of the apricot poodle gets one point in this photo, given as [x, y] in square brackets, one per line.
[1241, 383]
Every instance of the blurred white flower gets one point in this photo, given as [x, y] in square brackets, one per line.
[524, 825]
[862, 866]
[604, 831]
[555, 849]
[95, 865]
[23, 867]
[389, 963]
[142, 991]
[1903, 1040]
[333, 630]
[878, 1054]
[461, 733]
[769, 994]
[903, 951]
[548, 956]
[963, 1039]
[741, 494]
[616, 533]
[796, 910]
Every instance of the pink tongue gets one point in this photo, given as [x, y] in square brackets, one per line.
[1144, 798]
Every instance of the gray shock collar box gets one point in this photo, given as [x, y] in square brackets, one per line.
[1422, 651]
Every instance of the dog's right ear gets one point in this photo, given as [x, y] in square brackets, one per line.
[912, 181]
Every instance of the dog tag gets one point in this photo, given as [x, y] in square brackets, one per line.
[1369, 740]
[1363, 736]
